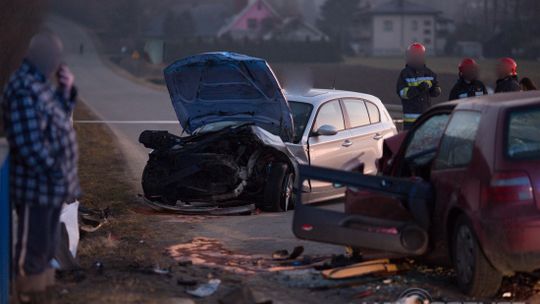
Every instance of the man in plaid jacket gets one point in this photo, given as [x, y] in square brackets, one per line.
[37, 105]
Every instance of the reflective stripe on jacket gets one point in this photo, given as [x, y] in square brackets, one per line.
[414, 99]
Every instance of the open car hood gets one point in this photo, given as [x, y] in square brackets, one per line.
[224, 86]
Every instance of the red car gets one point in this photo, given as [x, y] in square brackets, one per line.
[462, 187]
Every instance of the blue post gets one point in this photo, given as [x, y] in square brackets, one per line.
[5, 225]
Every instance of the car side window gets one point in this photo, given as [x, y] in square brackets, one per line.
[457, 144]
[374, 113]
[425, 140]
[330, 114]
[357, 112]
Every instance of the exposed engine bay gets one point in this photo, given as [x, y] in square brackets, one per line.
[219, 172]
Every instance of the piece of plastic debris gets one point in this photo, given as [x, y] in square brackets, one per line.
[360, 269]
[280, 255]
[99, 267]
[284, 254]
[387, 281]
[205, 290]
[160, 271]
[507, 295]
[70, 217]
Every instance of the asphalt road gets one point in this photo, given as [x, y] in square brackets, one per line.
[114, 96]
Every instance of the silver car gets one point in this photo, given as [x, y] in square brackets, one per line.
[246, 137]
[337, 129]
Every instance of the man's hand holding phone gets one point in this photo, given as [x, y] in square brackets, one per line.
[66, 80]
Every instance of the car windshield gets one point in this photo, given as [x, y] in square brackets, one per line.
[523, 141]
[301, 113]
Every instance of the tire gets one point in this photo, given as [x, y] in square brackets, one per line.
[475, 275]
[279, 194]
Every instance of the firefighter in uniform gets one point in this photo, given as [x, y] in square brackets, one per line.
[508, 76]
[416, 85]
[468, 84]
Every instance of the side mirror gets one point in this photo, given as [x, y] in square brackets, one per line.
[326, 130]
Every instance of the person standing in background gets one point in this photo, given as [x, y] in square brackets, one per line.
[416, 85]
[468, 84]
[507, 76]
[37, 106]
[527, 84]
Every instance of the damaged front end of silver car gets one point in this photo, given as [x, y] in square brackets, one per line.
[218, 173]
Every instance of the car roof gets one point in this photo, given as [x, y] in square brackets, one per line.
[316, 97]
[501, 100]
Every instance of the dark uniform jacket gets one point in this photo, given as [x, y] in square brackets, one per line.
[464, 89]
[508, 84]
[416, 87]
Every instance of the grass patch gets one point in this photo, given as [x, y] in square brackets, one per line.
[127, 243]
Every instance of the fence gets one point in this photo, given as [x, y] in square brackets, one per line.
[5, 225]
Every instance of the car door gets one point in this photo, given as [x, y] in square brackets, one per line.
[367, 132]
[385, 213]
[450, 175]
[328, 151]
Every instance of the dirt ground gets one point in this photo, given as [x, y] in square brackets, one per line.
[119, 261]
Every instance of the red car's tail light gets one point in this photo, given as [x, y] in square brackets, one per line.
[509, 187]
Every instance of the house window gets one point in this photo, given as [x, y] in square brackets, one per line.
[427, 22]
[427, 31]
[414, 25]
[427, 41]
[252, 23]
[388, 25]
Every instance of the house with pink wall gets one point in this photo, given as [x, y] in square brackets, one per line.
[257, 18]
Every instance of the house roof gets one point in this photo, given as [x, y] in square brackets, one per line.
[293, 23]
[403, 7]
[248, 7]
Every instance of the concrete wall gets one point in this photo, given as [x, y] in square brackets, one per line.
[392, 34]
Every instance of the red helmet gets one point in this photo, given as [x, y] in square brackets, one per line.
[466, 64]
[510, 63]
[417, 48]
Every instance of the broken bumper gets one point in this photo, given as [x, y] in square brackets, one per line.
[223, 172]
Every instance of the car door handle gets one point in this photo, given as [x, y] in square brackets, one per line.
[378, 136]
[347, 143]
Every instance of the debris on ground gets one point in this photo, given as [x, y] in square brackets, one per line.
[360, 269]
[161, 271]
[205, 290]
[285, 255]
[92, 220]
[212, 253]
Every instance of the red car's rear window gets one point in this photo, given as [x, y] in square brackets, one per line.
[523, 140]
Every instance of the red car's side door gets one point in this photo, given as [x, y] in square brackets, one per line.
[452, 178]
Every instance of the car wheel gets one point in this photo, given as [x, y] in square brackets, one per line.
[279, 191]
[475, 274]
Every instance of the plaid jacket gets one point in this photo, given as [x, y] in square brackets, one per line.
[43, 147]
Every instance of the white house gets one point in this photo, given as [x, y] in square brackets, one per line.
[398, 23]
